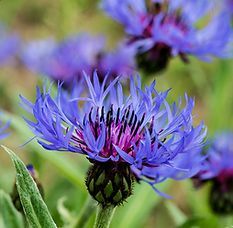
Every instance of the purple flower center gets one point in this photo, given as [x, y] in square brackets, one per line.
[168, 20]
[163, 22]
[121, 130]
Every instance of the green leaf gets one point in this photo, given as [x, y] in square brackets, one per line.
[9, 216]
[36, 211]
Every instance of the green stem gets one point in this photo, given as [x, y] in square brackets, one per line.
[86, 212]
[104, 216]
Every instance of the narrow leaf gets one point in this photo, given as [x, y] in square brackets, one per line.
[9, 216]
[36, 211]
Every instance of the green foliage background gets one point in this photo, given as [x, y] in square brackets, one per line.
[63, 174]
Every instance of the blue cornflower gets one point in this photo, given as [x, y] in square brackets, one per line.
[120, 61]
[218, 169]
[3, 128]
[229, 6]
[35, 55]
[140, 132]
[162, 29]
[220, 157]
[66, 60]
[9, 45]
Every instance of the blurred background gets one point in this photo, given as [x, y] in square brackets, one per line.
[63, 174]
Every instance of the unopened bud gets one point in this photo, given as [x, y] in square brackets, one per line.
[109, 183]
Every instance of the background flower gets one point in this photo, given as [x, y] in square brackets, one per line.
[220, 155]
[162, 29]
[229, 6]
[9, 45]
[68, 59]
[218, 169]
[3, 128]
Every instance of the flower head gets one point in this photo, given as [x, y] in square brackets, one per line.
[36, 54]
[9, 45]
[66, 60]
[218, 169]
[3, 128]
[140, 131]
[229, 6]
[120, 61]
[161, 29]
[220, 155]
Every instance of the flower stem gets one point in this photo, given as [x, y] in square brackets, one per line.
[104, 216]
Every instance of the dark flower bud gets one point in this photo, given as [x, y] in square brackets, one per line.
[154, 60]
[221, 195]
[110, 183]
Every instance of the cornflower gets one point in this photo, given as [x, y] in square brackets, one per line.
[163, 29]
[218, 170]
[125, 137]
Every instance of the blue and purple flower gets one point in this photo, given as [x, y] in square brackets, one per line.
[37, 53]
[161, 29]
[3, 128]
[120, 61]
[140, 131]
[229, 6]
[68, 59]
[9, 45]
[64, 60]
[218, 169]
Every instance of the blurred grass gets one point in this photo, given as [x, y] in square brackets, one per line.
[63, 173]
